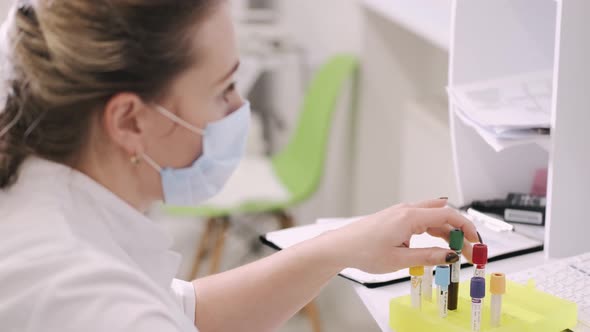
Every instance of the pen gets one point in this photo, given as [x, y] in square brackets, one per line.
[478, 292]
[480, 259]
[442, 280]
[455, 243]
[427, 284]
[497, 288]
[416, 282]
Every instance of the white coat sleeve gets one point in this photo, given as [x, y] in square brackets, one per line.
[184, 293]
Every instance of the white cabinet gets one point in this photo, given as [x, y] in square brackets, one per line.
[497, 38]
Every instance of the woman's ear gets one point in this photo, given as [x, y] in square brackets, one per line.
[122, 122]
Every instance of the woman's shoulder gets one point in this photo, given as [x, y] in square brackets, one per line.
[32, 223]
[36, 237]
[39, 246]
[86, 288]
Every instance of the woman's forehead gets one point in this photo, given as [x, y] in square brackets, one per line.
[216, 46]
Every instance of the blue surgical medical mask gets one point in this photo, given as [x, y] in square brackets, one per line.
[224, 143]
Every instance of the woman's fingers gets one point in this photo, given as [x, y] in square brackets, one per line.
[430, 204]
[444, 233]
[406, 257]
[424, 219]
[468, 251]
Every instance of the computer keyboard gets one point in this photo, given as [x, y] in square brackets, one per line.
[567, 278]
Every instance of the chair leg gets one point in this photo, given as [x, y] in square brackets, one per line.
[219, 245]
[313, 314]
[285, 219]
[216, 230]
[310, 310]
[203, 247]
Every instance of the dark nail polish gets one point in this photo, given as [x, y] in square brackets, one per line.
[479, 237]
[452, 258]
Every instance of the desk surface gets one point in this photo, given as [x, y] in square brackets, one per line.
[430, 19]
[377, 300]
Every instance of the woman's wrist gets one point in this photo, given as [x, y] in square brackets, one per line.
[331, 248]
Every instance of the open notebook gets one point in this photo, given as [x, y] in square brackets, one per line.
[500, 245]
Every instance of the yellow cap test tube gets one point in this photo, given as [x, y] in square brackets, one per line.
[497, 288]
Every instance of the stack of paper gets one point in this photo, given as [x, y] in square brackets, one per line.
[509, 111]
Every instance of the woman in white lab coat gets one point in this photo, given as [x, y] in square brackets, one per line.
[114, 105]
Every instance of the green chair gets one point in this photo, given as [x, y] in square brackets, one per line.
[294, 174]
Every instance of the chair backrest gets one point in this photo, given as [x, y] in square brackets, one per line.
[300, 164]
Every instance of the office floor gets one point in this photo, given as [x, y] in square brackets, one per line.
[340, 308]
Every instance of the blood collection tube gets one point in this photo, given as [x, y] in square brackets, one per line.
[442, 280]
[427, 284]
[416, 273]
[480, 259]
[455, 243]
[497, 288]
[478, 292]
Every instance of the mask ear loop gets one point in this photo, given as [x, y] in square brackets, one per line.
[151, 162]
[174, 118]
[136, 160]
[178, 120]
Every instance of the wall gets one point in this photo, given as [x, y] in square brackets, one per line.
[403, 131]
[4, 6]
[324, 27]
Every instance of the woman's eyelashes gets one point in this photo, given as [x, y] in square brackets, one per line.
[228, 91]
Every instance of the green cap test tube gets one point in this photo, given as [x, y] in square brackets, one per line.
[455, 243]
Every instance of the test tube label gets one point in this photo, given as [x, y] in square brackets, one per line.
[476, 314]
[443, 296]
[427, 284]
[416, 293]
[480, 273]
[496, 310]
[455, 271]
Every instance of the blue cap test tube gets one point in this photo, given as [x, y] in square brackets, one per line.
[478, 292]
[442, 281]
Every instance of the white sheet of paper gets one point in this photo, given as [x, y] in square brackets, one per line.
[520, 101]
[500, 140]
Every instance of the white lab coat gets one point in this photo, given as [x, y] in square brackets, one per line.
[74, 257]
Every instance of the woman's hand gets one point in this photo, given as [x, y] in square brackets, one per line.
[380, 243]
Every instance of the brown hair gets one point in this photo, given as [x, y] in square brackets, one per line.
[69, 57]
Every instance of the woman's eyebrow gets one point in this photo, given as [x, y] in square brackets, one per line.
[230, 73]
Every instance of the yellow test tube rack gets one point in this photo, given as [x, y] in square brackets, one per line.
[524, 308]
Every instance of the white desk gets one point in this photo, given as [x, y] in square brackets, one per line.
[377, 300]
